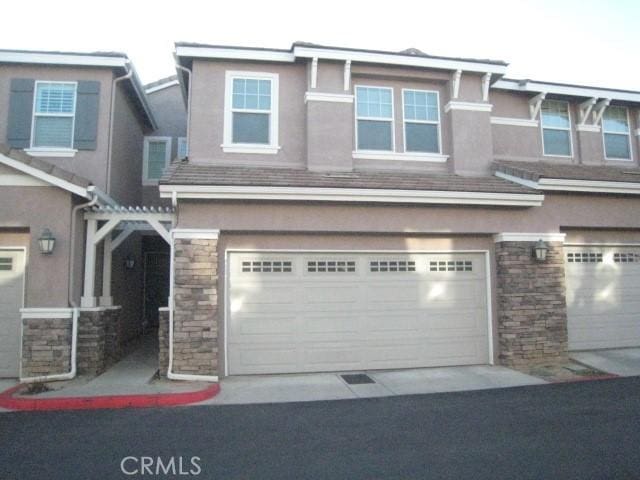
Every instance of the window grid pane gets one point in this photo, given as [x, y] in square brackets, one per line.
[617, 146]
[156, 159]
[251, 94]
[52, 132]
[420, 106]
[55, 98]
[555, 114]
[374, 103]
[614, 120]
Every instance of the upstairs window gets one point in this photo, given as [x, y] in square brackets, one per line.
[374, 118]
[421, 121]
[556, 128]
[183, 149]
[251, 112]
[53, 115]
[157, 154]
[616, 132]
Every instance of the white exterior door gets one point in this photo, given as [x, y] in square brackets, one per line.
[312, 312]
[11, 300]
[603, 297]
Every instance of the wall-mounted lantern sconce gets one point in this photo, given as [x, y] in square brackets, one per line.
[129, 262]
[540, 251]
[46, 242]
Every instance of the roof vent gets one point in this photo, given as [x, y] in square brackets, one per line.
[413, 51]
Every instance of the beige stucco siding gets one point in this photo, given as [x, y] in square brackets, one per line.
[90, 164]
[33, 209]
[207, 117]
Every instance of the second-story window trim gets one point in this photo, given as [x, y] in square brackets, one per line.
[616, 134]
[421, 109]
[553, 129]
[156, 158]
[53, 118]
[250, 99]
[374, 108]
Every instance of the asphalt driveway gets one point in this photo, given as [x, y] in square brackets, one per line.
[577, 430]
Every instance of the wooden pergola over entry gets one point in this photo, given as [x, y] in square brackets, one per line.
[101, 223]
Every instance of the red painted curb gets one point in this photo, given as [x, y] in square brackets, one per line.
[8, 401]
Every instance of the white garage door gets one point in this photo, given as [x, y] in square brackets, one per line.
[603, 297]
[11, 300]
[293, 312]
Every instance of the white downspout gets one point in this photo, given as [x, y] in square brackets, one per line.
[75, 311]
[114, 90]
[170, 374]
[74, 347]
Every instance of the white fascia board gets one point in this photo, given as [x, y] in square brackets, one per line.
[516, 122]
[45, 177]
[565, 185]
[235, 54]
[361, 195]
[162, 86]
[62, 59]
[529, 237]
[404, 60]
[569, 90]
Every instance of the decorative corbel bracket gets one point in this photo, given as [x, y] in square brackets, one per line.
[535, 104]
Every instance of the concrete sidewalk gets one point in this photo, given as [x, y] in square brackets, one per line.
[331, 386]
[624, 362]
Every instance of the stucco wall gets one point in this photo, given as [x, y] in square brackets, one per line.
[31, 209]
[90, 164]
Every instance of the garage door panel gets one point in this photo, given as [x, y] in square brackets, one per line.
[263, 324]
[366, 318]
[11, 300]
[603, 296]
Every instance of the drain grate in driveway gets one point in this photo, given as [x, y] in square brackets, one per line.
[357, 378]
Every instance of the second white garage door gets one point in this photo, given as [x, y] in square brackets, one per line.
[11, 300]
[603, 297]
[294, 312]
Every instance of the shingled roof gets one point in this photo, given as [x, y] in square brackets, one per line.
[182, 173]
[535, 171]
[42, 166]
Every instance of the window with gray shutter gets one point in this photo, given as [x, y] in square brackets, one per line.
[20, 112]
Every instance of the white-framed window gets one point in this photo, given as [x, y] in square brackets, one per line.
[54, 111]
[156, 157]
[421, 116]
[555, 121]
[183, 149]
[251, 112]
[374, 119]
[616, 133]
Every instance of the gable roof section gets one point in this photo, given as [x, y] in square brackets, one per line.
[305, 50]
[572, 178]
[45, 171]
[161, 84]
[116, 61]
[225, 182]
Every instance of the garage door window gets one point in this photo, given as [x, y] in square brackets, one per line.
[6, 264]
[331, 266]
[392, 266]
[272, 266]
[451, 266]
[584, 257]
[626, 257]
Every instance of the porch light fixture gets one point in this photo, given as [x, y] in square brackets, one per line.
[129, 262]
[46, 242]
[540, 250]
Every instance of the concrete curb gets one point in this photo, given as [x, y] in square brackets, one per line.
[8, 401]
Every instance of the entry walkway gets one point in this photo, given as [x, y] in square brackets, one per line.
[624, 362]
[332, 386]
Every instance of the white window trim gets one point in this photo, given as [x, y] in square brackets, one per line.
[628, 134]
[228, 146]
[182, 140]
[568, 129]
[375, 119]
[425, 122]
[53, 151]
[145, 158]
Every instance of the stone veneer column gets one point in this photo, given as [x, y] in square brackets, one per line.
[195, 303]
[163, 341]
[532, 312]
[99, 342]
[46, 342]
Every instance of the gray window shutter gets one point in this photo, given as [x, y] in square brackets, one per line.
[20, 112]
[86, 127]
